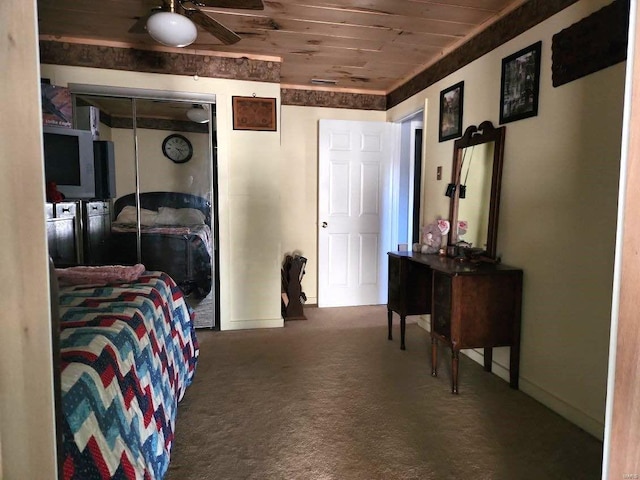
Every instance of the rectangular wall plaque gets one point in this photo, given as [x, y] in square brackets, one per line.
[254, 113]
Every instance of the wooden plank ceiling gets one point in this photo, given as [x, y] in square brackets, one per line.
[369, 46]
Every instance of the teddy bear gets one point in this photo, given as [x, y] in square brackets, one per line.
[432, 236]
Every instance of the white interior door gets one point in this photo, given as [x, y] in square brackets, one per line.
[354, 212]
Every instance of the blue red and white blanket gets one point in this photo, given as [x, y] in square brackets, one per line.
[128, 353]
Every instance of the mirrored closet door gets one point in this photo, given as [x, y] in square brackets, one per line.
[158, 206]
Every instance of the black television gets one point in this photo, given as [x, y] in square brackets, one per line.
[68, 161]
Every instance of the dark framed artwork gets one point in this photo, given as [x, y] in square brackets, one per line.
[254, 113]
[520, 84]
[451, 102]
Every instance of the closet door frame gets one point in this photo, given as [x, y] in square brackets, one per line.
[135, 94]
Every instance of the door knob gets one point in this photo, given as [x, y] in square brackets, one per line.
[324, 224]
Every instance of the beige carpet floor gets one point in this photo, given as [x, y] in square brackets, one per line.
[332, 398]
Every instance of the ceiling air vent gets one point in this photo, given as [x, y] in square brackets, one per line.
[323, 81]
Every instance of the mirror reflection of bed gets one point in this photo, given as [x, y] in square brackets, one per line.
[175, 237]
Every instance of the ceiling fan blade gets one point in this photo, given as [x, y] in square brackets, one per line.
[215, 28]
[239, 4]
[141, 23]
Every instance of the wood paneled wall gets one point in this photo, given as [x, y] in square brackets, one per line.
[623, 444]
[26, 370]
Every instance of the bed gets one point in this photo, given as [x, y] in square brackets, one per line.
[175, 237]
[128, 351]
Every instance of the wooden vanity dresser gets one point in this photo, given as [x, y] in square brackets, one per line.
[472, 305]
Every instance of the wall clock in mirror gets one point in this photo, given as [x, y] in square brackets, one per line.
[177, 148]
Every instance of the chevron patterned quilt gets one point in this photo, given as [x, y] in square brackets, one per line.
[128, 352]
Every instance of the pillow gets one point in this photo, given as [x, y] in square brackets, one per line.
[179, 216]
[128, 215]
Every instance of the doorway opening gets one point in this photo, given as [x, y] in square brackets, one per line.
[409, 183]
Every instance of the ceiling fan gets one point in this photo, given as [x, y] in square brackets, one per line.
[174, 22]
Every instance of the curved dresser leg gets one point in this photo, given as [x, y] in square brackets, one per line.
[514, 365]
[434, 357]
[455, 360]
[488, 359]
[403, 327]
[389, 320]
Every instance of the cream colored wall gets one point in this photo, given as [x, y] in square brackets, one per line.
[157, 172]
[557, 215]
[249, 194]
[124, 160]
[26, 386]
[105, 132]
[298, 183]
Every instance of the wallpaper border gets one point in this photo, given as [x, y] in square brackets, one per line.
[130, 59]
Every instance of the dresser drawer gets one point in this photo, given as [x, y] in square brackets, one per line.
[442, 304]
[97, 208]
[92, 209]
[66, 209]
[395, 285]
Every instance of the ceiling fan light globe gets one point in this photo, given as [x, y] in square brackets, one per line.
[198, 115]
[171, 29]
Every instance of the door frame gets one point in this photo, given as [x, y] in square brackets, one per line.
[387, 197]
[416, 121]
[620, 452]
[171, 96]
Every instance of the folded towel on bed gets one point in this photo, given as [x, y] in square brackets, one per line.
[99, 275]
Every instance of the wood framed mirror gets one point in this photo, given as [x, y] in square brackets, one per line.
[475, 189]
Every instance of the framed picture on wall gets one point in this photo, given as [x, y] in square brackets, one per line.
[451, 102]
[520, 84]
[254, 113]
